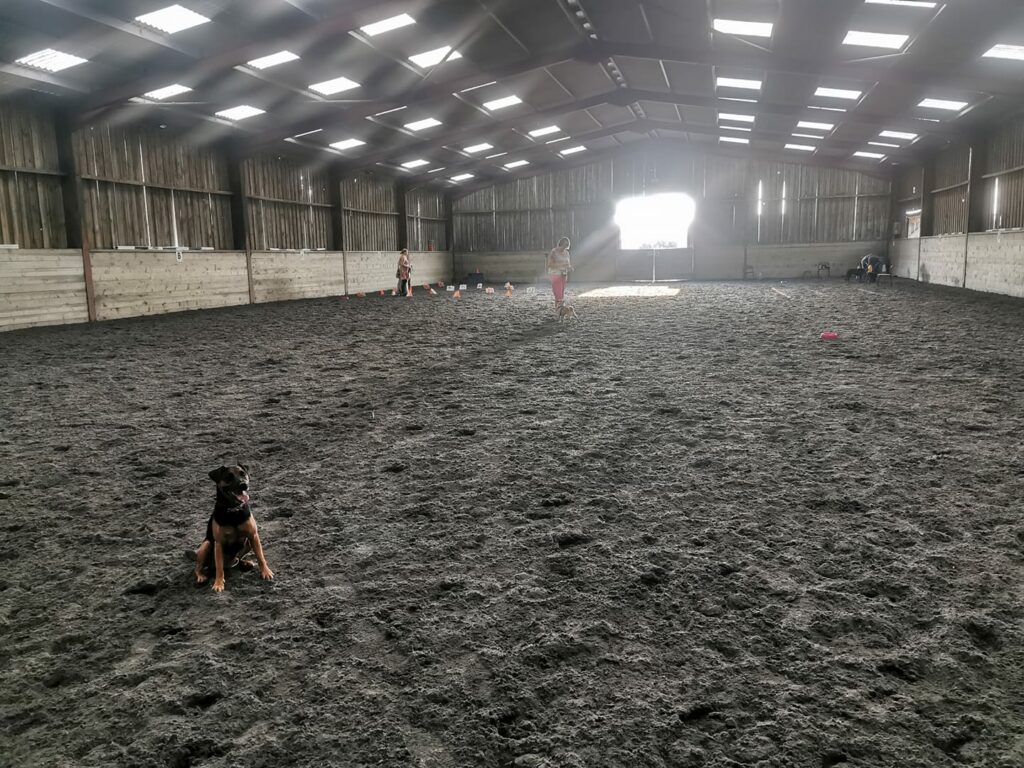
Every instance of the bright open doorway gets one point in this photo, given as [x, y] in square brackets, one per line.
[655, 222]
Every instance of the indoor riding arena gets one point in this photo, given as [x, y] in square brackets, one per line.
[511, 384]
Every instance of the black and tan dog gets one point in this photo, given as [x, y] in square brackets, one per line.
[231, 530]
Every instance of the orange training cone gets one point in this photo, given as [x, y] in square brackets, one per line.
[360, 295]
[457, 294]
[381, 291]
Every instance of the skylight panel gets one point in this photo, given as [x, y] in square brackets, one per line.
[416, 163]
[561, 138]
[348, 143]
[733, 98]
[838, 93]
[801, 147]
[477, 87]
[546, 131]
[1015, 52]
[815, 126]
[50, 60]
[386, 25]
[898, 135]
[736, 128]
[883, 144]
[420, 125]
[436, 56]
[826, 109]
[436, 170]
[242, 112]
[906, 3]
[507, 101]
[171, 19]
[870, 155]
[744, 28]
[477, 148]
[952, 106]
[167, 92]
[463, 177]
[499, 154]
[517, 164]
[733, 140]
[573, 150]
[807, 136]
[266, 62]
[876, 39]
[736, 118]
[739, 82]
[331, 87]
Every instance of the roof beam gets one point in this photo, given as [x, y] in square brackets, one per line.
[305, 35]
[36, 80]
[132, 28]
[422, 93]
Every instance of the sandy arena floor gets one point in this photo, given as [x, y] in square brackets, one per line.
[682, 532]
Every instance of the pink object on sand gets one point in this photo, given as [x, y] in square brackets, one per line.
[829, 336]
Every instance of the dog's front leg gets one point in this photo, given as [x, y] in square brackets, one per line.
[201, 556]
[265, 571]
[218, 563]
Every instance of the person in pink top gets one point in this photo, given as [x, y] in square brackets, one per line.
[559, 267]
[404, 272]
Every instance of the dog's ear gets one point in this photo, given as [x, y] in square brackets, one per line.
[218, 474]
[244, 468]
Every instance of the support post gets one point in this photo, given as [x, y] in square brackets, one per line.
[71, 194]
[976, 214]
[334, 180]
[449, 222]
[927, 199]
[403, 221]
[240, 213]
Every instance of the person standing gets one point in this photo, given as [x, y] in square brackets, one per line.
[404, 272]
[559, 267]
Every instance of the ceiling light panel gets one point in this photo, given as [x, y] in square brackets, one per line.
[800, 147]
[50, 60]
[434, 57]
[870, 155]
[898, 135]
[815, 126]
[421, 125]
[517, 164]
[739, 82]
[743, 28]
[386, 25]
[876, 39]
[883, 144]
[172, 19]
[507, 101]
[838, 93]
[273, 60]
[242, 112]
[546, 131]
[336, 85]
[167, 92]
[733, 140]
[904, 3]
[573, 150]
[462, 177]
[736, 118]
[478, 148]
[1015, 52]
[348, 144]
[415, 163]
[952, 106]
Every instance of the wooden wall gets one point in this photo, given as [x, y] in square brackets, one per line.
[142, 187]
[370, 207]
[31, 204]
[427, 215]
[738, 201]
[289, 204]
[132, 283]
[41, 288]
[287, 275]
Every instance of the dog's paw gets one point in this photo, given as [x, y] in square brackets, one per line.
[218, 585]
[201, 578]
[266, 574]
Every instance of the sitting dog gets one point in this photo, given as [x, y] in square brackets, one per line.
[565, 312]
[856, 272]
[231, 530]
